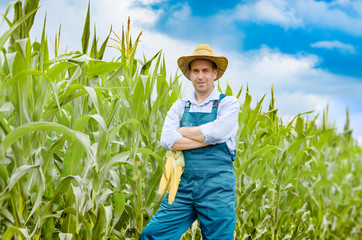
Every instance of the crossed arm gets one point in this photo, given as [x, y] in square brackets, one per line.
[192, 138]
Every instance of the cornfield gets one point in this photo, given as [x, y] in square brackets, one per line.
[80, 156]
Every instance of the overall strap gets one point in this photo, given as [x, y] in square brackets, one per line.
[187, 106]
[216, 102]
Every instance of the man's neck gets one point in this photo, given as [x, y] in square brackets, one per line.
[201, 97]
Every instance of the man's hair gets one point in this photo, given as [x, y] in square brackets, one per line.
[212, 63]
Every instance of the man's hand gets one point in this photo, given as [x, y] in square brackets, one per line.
[192, 138]
[187, 144]
[193, 133]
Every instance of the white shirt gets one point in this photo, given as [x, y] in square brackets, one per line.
[223, 129]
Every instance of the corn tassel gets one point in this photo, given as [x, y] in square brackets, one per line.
[174, 167]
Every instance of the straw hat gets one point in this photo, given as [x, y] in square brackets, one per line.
[202, 51]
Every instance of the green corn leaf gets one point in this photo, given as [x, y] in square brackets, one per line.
[228, 90]
[103, 47]
[258, 153]
[118, 158]
[4, 37]
[137, 96]
[87, 225]
[23, 74]
[146, 67]
[93, 51]
[29, 6]
[93, 96]
[151, 186]
[152, 153]
[109, 215]
[119, 202]
[82, 122]
[100, 223]
[19, 173]
[3, 172]
[40, 193]
[299, 127]
[10, 59]
[86, 32]
[76, 74]
[62, 187]
[72, 159]
[4, 126]
[45, 218]
[239, 93]
[245, 195]
[83, 58]
[4, 212]
[36, 126]
[11, 231]
[101, 68]
[247, 100]
[59, 68]
[113, 110]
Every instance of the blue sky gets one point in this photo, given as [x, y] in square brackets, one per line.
[311, 51]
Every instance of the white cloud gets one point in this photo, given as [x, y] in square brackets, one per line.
[181, 12]
[331, 15]
[115, 11]
[179, 15]
[268, 11]
[263, 67]
[346, 48]
[149, 2]
[342, 15]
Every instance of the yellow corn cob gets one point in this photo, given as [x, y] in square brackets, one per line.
[175, 180]
[177, 168]
[175, 164]
[166, 179]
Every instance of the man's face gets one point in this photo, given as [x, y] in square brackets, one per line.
[202, 75]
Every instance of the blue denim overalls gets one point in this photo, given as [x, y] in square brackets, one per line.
[206, 190]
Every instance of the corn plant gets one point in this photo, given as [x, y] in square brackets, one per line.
[296, 180]
[79, 144]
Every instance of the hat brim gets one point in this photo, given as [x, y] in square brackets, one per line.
[184, 62]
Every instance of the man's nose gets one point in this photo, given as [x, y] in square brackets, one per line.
[200, 75]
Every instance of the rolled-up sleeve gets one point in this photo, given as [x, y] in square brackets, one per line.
[169, 135]
[226, 124]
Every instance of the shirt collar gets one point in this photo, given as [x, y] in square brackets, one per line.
[214, 95]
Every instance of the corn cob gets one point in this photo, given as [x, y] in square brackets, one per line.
[177, 169]
[175, 180]
[165, 179]
[174, 167]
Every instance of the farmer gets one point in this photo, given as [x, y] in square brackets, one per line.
[204, 126]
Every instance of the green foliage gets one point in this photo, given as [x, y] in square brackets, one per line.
[80, 155]
[296, 180]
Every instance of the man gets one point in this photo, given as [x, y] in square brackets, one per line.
[204, 126]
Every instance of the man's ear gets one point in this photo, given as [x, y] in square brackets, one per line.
[215, 73]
